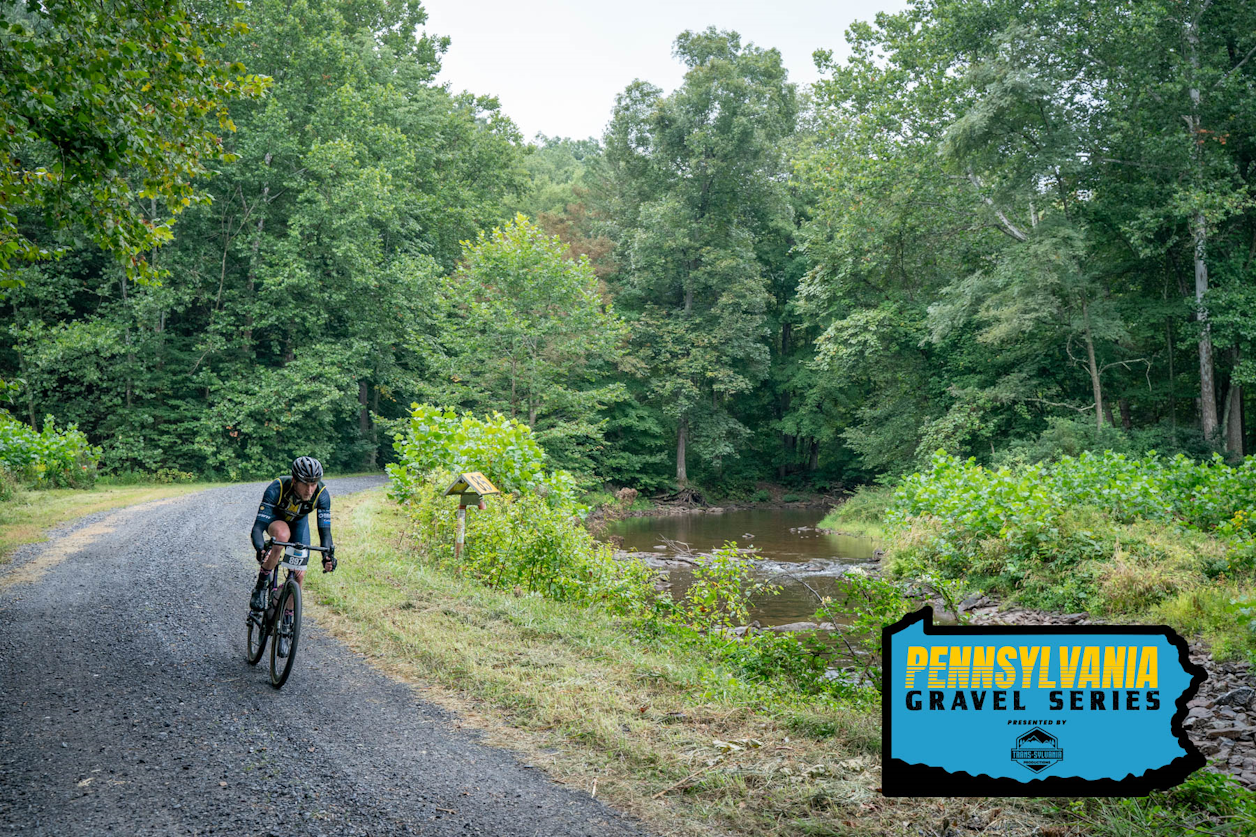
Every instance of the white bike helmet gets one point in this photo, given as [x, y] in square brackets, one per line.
[307, 469]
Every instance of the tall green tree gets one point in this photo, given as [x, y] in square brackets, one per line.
[526, 332]
[1180, 97]
[694, 186]
[109, 113]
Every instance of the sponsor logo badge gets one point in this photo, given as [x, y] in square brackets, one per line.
[1037, 750]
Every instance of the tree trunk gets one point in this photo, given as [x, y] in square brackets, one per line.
[1233, 420]
[1093, 366]
[814, 463]
[1172, 391]
[514, 386]
[790, 444]
[130, 350]
[682, 433]
[257, 242]
[1207, 385]
[30, 396]
[1199, 233]
[30, 408]
[1126, 420]
[364, 422]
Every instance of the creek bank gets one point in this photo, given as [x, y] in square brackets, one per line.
[614, 511]
[670, 510]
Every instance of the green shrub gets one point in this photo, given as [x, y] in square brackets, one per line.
[795, 662]
[865, 605]
[862, 513]
[1067, 436]
[125, 477]
[761, 496]
[1223, 613]
[1023, 502]
[504, 450]
[167, 476]
[1098, 532]
[721, 591]
[527, 542]
[793, 498]
[51, 458]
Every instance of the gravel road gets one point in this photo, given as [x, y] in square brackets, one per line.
[126, 706]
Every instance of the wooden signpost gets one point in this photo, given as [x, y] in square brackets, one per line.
[471, 487]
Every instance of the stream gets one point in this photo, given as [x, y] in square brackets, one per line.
[774, 533]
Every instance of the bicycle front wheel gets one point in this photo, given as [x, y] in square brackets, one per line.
[256, 642]
[281, 667]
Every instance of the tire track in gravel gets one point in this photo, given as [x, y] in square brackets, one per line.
[126, 706]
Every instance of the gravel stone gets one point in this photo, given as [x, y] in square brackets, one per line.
[1241, 696]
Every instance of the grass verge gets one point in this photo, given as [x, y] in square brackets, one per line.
[860, 513]
[28, 515]
[657, 732]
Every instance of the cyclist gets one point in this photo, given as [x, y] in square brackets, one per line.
[285, 506]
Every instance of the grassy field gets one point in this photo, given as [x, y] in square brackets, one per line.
[656, 732]
[30, 514]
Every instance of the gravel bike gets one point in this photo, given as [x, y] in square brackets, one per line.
[269, 623]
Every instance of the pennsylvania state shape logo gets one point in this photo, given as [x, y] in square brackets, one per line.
[1113, 697]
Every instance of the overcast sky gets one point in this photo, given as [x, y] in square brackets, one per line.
[556, 65]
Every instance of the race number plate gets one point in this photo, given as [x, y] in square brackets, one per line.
[295, 559]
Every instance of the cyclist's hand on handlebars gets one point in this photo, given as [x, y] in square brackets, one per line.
[261, 555]
[329, 562]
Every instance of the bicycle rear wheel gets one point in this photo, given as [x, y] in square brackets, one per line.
[281, 667]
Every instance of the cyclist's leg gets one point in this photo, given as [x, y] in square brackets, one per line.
[279, 531]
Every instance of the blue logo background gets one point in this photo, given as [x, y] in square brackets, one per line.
[1099, 744]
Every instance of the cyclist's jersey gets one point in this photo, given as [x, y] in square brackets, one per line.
[280, 502]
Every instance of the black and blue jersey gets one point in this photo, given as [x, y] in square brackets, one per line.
[280, 502]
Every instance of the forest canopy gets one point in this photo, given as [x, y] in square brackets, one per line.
[234, 233]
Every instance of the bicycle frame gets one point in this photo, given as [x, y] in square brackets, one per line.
[266, 624]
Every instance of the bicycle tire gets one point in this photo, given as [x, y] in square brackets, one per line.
[278, 675]
[255, 642]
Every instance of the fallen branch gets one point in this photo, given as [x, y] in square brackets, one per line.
[678, 547]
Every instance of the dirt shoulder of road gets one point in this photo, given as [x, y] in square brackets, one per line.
[29, 515]
[655, 732]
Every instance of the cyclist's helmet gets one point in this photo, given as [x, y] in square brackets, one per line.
[307, 469]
